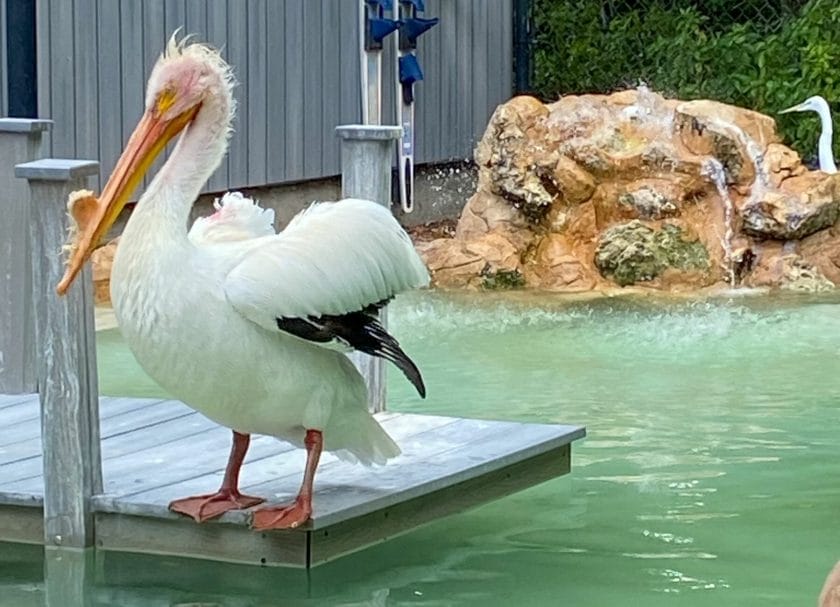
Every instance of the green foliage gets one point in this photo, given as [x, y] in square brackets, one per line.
[761, 54]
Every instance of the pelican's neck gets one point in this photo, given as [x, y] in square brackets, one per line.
[163, 210]
[825, 144]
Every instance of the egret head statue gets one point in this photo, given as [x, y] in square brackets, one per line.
[811, 104]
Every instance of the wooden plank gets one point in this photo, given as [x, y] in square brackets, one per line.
[174, 463]
[449, 455]
[21, 524]
[295, 95]
[111, 408]
[11, 400]
[220, 542]
[66, 374]
[237, 32]
[30, 467]
[366, 155]
[283, 467]
[123, 570]
[21, 412]
[256, 91]
[20, 141]
[377, 527]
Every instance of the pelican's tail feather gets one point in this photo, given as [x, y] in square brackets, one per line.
[363, 441]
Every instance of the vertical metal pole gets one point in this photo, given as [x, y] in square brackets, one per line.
[66, 358]
[20, 141]
[366, 153]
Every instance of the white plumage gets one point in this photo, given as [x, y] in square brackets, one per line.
[333, 258]
[236, 218]
[233, 318]
[819, 105]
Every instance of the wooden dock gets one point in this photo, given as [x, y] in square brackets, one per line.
[79, 470]
[154, 451]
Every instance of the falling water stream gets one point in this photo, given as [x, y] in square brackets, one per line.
[713, 169]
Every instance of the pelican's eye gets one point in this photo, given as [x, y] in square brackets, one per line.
[165, 101]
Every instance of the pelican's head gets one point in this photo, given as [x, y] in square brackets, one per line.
[188, 78]
[811, 104]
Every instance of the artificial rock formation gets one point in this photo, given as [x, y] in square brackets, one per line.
[599, 192]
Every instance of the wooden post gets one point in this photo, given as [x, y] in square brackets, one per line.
[68, 577]
[367, 152]
[66, 358]
[20, 141]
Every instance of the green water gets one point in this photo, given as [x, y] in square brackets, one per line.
[710, 475]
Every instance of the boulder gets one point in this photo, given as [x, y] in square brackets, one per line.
[101, 260]
[634, 252]
[804, 206]
[605, 191]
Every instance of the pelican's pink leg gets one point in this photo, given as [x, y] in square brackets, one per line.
[298, 512]
[204, 507]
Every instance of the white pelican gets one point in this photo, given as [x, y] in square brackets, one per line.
[238, 322]
[820, 106]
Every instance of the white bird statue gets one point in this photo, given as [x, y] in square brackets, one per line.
[820, 106]
[243, 324]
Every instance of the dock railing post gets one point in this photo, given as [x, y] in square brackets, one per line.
[21, 140]
[66, 358]
[366, 155]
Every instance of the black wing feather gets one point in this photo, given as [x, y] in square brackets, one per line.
[359, 330]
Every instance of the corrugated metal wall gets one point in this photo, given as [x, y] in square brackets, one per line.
[297, 63]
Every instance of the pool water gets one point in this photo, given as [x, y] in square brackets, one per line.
[710, 475]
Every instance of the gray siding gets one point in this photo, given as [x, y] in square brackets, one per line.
[297, 64]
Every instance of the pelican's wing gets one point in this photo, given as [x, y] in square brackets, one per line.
[325, 276]
[236, 218]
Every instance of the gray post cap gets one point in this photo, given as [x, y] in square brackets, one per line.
[24, 125]
[56, 169]
[368, 132]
